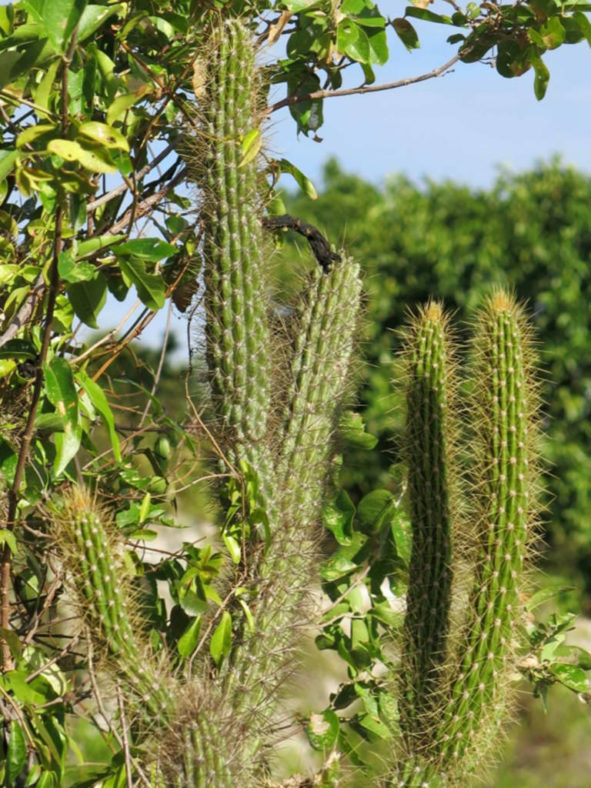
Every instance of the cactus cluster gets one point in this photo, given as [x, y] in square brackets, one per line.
[455, 686]
[275, 415]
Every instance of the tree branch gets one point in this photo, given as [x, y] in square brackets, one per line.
[318, 243]
[401, 83]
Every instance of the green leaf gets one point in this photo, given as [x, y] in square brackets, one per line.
[426, 15]
[542, 77]
[375, 508]
[104, 135]
[221, 640]
[7, 161]
[352, 431]
[73, 151]
[32, 133]
[187, 643]
[43, 91]
[323, 730]
[49, 780]
[13, 64]
[72, 271]
[100, 402]
[94, 16]
[16, 757]
[58, 18]
[337, 566]
[338, 518]
[302, 180]
[233, 548]
[553, 33]
[352, 40]
[61, 392]
[150, 288]
[8, 538]
[123, 103]
[570, 676]
[88, 298]
[85, 775]
[96, 244]
[406, 33]
[583, 24]
[544, 594]
[401, 533]
[251, 145]
[151, 249]
[15, 681]
[300, 5]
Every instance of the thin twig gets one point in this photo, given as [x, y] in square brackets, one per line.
[105, 198]
[126, 753]
[289, 101]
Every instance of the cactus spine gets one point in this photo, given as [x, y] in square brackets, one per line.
[462, 725]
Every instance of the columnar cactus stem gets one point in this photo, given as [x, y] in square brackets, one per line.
[234, 266]
[99, 578]
[325, 325]
[504, 496]
[326, 321]
[430, 400]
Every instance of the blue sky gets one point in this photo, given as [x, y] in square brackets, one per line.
[460, 126]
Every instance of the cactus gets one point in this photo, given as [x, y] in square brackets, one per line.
[213, 725]
[235, 269]
[430, 402]
[236, 705]
[450, 736]
[101, 584]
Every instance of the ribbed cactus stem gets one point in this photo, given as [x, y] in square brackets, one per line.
[234, 266]
[325, 325]
[101, 582]
[431, 479]
[505, 499]
[327, 319]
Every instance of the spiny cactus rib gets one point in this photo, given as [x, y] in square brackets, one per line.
[431, 477]
[234, 266]
[85, 540]
[327, 320]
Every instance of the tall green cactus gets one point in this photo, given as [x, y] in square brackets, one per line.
[236, 270]
[431, 403]
[468, 701]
